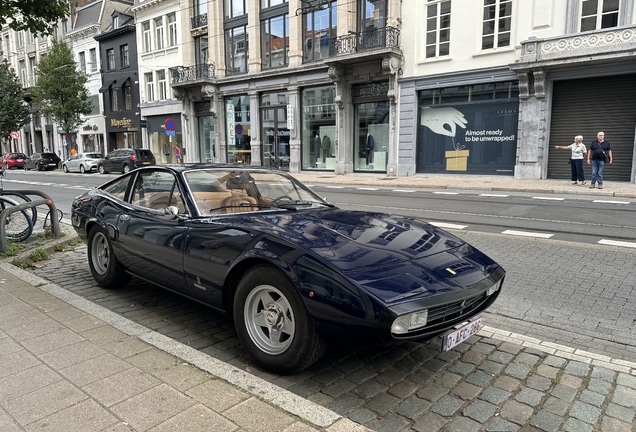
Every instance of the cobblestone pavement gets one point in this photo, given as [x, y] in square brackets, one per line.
[496, 381]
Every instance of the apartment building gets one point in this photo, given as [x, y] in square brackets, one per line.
[491, 86]
[290, 84]
[159, 40]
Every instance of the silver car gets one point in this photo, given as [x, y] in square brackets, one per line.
[82, 162]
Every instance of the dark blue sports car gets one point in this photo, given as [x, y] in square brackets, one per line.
[294, 271]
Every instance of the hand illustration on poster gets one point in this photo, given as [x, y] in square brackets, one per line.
[436, 120]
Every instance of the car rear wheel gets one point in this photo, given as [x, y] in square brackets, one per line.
[126, 169]
[65, 168]
[105, 268]
[100, 169]
[273, 324]
[82, 169]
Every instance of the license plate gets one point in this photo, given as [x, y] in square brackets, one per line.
[146, 163]
[52, 164]
[455, 337]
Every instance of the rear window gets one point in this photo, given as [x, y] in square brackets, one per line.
[145, 153]
[18, 156]
[93, 155]
[49, 155]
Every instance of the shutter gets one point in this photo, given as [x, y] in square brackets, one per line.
[585, 107]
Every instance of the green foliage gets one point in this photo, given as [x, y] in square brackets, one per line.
[14, 112]
[12, 249]
[39, 255]
[38, 16]
[60, 91]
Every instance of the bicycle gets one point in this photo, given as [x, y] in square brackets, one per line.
[18, 225]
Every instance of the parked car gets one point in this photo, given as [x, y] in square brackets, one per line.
[125, 160]
[293, 270]
[13, 160]
[82, 162]
[42, 161]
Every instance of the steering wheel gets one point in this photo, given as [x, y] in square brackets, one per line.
[275, 200]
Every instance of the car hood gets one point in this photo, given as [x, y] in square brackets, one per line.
[392, 256]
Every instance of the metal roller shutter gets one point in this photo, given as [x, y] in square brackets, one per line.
[585, 107]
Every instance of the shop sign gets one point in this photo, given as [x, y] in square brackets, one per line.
[230, 122]
[290, 116]
[123, 123]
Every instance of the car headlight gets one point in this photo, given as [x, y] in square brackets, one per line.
[493, 289]
[409, 322]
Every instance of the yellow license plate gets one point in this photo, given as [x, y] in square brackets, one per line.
[146, 163]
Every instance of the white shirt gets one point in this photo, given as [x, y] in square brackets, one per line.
[577, 150]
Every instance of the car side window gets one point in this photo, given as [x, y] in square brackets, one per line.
[118, 188]
[157, 190]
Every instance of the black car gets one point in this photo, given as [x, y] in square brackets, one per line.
[125, 160]
[293, 270]
[42, 161]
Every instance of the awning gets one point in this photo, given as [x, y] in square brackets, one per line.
[117, 86]
[106, 87]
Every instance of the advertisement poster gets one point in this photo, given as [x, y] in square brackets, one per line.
[473, 138]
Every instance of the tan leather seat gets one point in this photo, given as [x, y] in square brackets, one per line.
[239, 203]
[207, 201]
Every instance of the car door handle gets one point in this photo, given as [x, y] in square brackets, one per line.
[125, 217]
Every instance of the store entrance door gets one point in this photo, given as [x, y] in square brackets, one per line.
[275, 148]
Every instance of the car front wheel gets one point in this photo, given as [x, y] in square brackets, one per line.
[126, 169]
[65, 168]
[100, 169]
[82, 169]
[105, 267]
[273, 324]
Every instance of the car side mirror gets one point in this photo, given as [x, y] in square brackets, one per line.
[172, 213]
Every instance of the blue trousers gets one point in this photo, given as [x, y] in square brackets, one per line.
[577, 170]
[597, 171]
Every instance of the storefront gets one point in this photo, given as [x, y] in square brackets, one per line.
[238, 129]
[275, 134]
[122, 132]
[165, 135]
[318, 128]
[207, 140]
[470, 129]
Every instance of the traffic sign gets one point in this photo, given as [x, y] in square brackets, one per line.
[170, 124]
[15, 134]
[170, 133]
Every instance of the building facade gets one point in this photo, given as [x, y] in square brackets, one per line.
[494, 95]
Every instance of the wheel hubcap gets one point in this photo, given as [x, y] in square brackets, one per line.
[100, 253]
[269, 319]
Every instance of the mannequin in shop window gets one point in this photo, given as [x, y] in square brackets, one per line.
[326, 147]
[369, 144]
[315, 148]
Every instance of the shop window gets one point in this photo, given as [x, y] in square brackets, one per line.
[237, 50]
[275, 41]
[147, 36]
[150, 87]
[496, 27]
[599, 14]
[320, 28]
[238, 128]
[110, 59]
[318, 148]
[172, 30]
[438, 28]
[159, 35]
[123, 55]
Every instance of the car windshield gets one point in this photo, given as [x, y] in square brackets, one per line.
[225, 191]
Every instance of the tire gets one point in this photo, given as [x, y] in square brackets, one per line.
[65, 168]
[18, 225]
[20, 199]
[295, 344]
[82, 169]
[105, 268]
[100, 169]
[125, 169]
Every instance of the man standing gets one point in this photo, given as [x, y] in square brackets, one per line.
[599, 152]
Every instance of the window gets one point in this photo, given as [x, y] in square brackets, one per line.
[127, 96]
[114, 103]
[118, 187]
[32, 66]
[438, 28]
[123, 52]
[161, 82]
[93, 56]
[115, 21]
[172, 30]
[157, 190]
[599, 14]
[320, 27]
[150, 87]
[20, 39]
[23, 74]
[110, 59]
[269, 3]
[82, 61]
[496, 30]
[30, 38]
[275, 41]
[237, 50]
[159, 33]
[201, 47]
[235, 8]
[147, 37]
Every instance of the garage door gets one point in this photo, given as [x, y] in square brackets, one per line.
[586, 106]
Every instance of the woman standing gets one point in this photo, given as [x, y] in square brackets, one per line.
[578, 151]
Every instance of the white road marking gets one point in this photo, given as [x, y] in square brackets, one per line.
[335, 187]
[494, 195]
[611, 202]
[447, 193]
[445, 225]
[367, 188]
[617, 243]
[527, 234]
[548, 198]
[404, 190]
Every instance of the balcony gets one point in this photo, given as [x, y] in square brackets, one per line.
[368, 44]
[190, 74]
[593, 47]
[199, 21]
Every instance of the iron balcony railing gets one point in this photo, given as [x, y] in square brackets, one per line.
[199, 20]
[387, 37]
[182, 74]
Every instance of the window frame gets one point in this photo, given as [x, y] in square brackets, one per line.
[110, 59]
[146, 28]
[160, 34]
[437, 30]
[114, 100]
[93, 58]
[331, 6]
[162, 85]
[230, 55]
[124, 55]
[265, 41]
[127, 90]
[173, 35]
[497, 19]
[598, 15]
[149, 86]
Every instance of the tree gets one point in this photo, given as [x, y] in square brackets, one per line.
[60, 91]
[14, 112]
[38, 16]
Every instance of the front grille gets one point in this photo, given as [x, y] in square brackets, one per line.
[452, 311]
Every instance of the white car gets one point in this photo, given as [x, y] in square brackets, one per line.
[82, 162]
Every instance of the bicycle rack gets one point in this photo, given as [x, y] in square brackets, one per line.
[55, 223]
